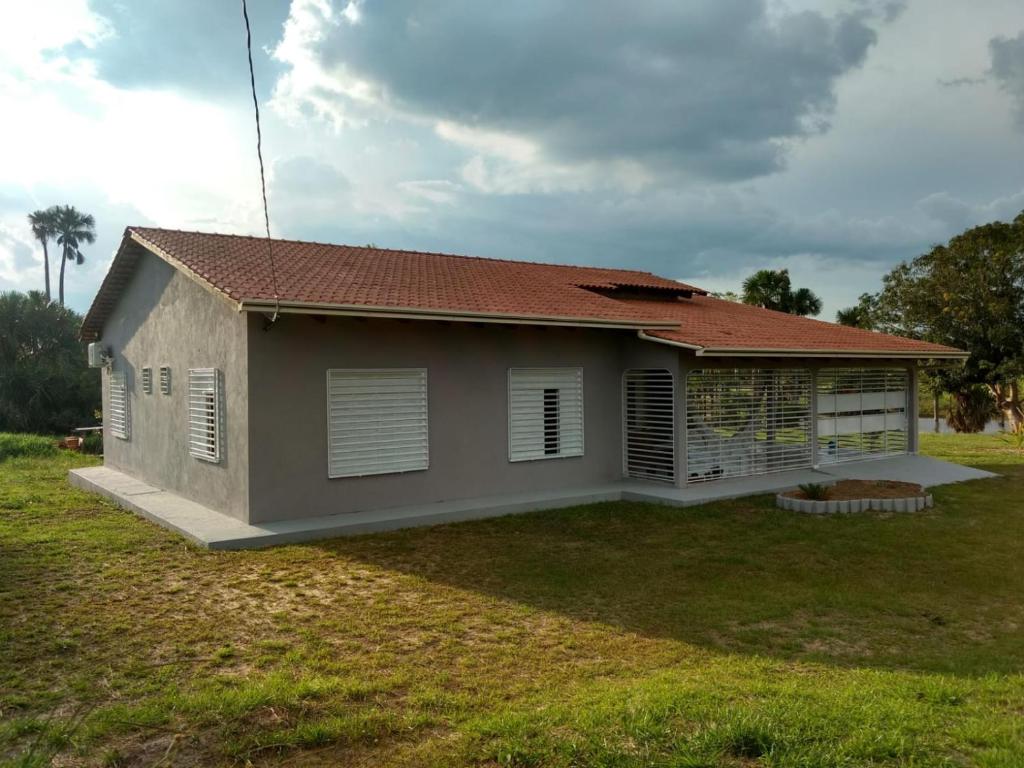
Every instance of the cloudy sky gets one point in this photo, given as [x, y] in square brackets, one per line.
[699, 139]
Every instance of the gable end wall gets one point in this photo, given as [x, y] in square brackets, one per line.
[166, 318]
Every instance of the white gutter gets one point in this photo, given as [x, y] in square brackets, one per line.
[410, 313]
[748, 352]
[707, 352]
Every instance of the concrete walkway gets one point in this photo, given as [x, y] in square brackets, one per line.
[217, 531]
[911, 469]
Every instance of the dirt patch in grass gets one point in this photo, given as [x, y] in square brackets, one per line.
[851, 490]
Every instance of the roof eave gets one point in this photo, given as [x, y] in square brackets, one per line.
[699, 351]
[178, 264]
[853, 353]
[414, 313]
[92, 323]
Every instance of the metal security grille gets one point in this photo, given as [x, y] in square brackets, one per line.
[376, 421]
[649, 411]
[204, 413]
[147, 380]
[862, 413]
[119, 417]
[165, 379]
[545, 413]
[744, 422]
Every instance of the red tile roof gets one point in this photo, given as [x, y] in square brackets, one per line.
[343, 275]
[717, 325]
[409, 283]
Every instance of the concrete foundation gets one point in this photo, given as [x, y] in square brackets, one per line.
[214, 530]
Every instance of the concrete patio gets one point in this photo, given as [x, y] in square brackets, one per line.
[217, 531]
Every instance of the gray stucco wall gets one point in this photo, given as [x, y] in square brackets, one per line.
[467, 369]
[165, 318]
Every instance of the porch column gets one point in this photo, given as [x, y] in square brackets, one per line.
[814, 418]
[912, 410]
[680, 422]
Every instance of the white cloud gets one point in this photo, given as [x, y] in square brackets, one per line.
[308, 85]
[642, 91]
[177, 160]
[173, 158]
[33, 33]
[439, 191]
[18, 264]
[956, 214]
[448, 127]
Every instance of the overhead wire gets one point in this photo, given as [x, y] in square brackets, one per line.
[259, 154]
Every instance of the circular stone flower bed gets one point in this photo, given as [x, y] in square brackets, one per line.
[859, 496]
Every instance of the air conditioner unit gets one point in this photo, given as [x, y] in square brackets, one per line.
[99, 355]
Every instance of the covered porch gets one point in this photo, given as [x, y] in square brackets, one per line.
[710, 421]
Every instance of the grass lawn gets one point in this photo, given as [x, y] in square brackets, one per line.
[618, 634]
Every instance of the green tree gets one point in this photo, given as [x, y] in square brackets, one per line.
[44, 227]
[969, 294]
[45, 384]
[863, 314]
[73, 229]
[772, 289]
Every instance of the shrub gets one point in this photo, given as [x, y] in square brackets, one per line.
[815, 491]
[12, 445]
[93, 443]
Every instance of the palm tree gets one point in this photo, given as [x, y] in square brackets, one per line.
[44, 226]
[767, 288]
[772, 289]
[73, 229]
[803, 302]
[851, 317]
[866, 313]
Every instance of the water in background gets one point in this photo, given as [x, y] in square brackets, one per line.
[928, 425]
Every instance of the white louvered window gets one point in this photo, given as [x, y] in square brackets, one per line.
[119, 417]
[165, 380]
[545, 413]
[147, 380]
[862, 413]
[648, 402]
[376, 421]
[743, 422]
[204, 414]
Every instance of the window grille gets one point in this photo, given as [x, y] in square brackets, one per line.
[204, 414]
[862, 413]
[165, 379]
[376, 421]
[545, 413]
[119, 416]
[650, 432]
[744, 422]
[147, 380]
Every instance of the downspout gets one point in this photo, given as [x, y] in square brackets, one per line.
[679, 344]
